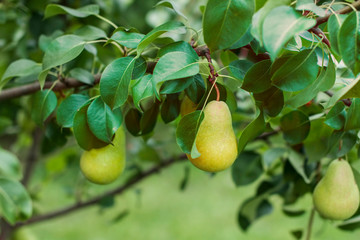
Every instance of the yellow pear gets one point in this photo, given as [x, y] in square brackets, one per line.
[104, 165]
[336, 196]
[187, 106]
[215, 141]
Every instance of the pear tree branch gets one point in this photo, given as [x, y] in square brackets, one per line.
[117, 191]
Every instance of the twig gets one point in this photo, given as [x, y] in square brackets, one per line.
[310, 224]
[347, 102]
[344, 10]
[32, 156]
[317, 31]
[77, 206]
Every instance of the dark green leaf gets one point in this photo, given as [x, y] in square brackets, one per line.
[252, 130]
[244, 40]
[246, 168]
[187, 130]
[353, 115]
[103, 122]
[89, 33]
[132, 121]
[115, 80]
[226, 21]
[43, 104]
[297, 73]
[139, 68]
[336, 117]
[349, 41]
[83, 135]
[175, 65]
[239, 68]
[271, 101]
[297, 161]
[196, 89]
[334, 23]
[324, 82]
[68, 107]
[15, 202]
[180, 46]
[295, 126]
[258, 78]
[156, 32]
[280, 25]
[143, 88]
[149, 118]
[55, 9]
[176, 86]
[170, 109]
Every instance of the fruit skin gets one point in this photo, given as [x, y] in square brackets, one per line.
[23, 233]
[104, 165]
[336, 196]
[187, 106]
[215, 139]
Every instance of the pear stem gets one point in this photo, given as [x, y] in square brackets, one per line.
[310, 224]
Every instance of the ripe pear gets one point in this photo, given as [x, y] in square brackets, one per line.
[336, 196]
[187, 106]
[215, 141]
[104, 165]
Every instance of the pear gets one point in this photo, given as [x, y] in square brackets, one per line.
[215, 141]
[104, 165]
[336, 196]
[187, 106]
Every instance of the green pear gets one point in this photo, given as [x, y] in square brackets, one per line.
[215, 141]
[336, 196]
[104, 165]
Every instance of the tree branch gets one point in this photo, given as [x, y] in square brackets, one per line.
[32, 156]
[77, 206]
[344, 10]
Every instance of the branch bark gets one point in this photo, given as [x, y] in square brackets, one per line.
[77, 206]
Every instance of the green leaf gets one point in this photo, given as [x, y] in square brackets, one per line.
[177, 85]
[244, 40]
[239, 68]
[353, 115]
[310, 6]
[139, 68]
[336, 117]
[156, 32]
[127, 39]
[349, 42]
[149, 118]
[246, 168]
[280, 25]
[89, 33]
[55, 9]
[43, 104]
[9, 165]
[295, 126]
[15, 202]
[273, 154]
[20, 68]
[196, 89]
[172, 5]
[82, 75]
[142, 89]
[180, 46]
[226, 21]
[252, 130]
[132, 121]
[258, 78]
[103, 122]
[115, 80]
[271, 101]
[186, 132]
[324, 82]
[175, 65]
[297, 73]
[83, 135]
[259, 17]
[351, 89]
[333, 25]
[298, 161]
[170, 109]
[67, 109]
[317, 143]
